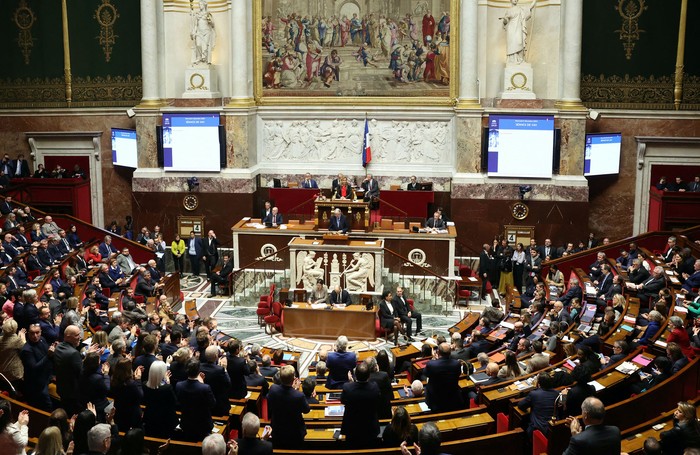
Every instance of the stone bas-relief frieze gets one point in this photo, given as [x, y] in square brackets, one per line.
[392, 141]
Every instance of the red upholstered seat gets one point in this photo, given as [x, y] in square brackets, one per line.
[264, 309]
[539, 443]
[274, 320]
[502, 422]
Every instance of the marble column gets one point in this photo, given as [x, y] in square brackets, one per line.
[149, 54]
[468, 96]
[570, 91]
[241, 68]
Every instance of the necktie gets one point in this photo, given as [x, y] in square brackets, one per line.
[65, 242]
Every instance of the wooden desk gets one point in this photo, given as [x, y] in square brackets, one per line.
[356, 211]
[300, 320]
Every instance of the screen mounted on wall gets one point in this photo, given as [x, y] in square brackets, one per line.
[124, 150]
[602, 154]
[520, 146]
[192, 142]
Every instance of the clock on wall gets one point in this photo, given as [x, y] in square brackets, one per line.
[190, 202]
[520, 210]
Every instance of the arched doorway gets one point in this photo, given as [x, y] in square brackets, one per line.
[349, 8]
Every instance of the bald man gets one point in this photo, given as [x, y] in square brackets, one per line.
[67, 365]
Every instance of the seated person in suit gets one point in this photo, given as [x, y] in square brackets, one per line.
[593, 437]
[222, 275]
[685, 432]
[309, 182]
[371, 187]
[336, 183]
[595, 269]
[340, 296]
[319, 294]
[343, 190]
[542, 404]
[274, 218]
[636, 272]
[435, 222]
[339, 222]
[413, 185]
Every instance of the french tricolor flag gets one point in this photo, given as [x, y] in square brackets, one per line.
[366, 147]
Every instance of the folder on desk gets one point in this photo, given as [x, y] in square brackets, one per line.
[479, 377]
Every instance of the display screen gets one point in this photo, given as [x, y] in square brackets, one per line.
[602, 154]
[191, 142]
[124, 150]
[520, 146]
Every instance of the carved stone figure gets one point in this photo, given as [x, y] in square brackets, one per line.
[202, 33]
[515, 25]
[360, 272]
[309, 269]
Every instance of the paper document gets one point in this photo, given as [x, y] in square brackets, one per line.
[598, 386]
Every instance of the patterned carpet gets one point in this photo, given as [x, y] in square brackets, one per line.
[241, 322]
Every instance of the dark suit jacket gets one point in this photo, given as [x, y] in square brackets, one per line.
[542, 403]
[374, 191]
[311, 184]
[196, 402]
[24, 169]
[237, 369]
[159, 417]
[276, 219]
[639, 275]
[574, 291]
[386, 317]
[339, 363]
[254, 446]
[604, 284]
[144, 360]
[596, 439]
[145, 288]
[678, 438]
[344, 297]
[442, 392]
[339, 225]
[217, 378]
[37, 364]
[286, 406]
[381, 378]
[67, 365]
[437, 224]
[552, 252]
[360, 423]
[652, 288]
[401, 306]
[413, 186]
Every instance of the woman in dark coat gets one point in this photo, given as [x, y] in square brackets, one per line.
[127, 393]
[159, 417]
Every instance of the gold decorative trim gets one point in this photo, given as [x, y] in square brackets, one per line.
[638, 92]
[106, 15]
[24, 19]
[261, 99]
[199, 84]
[630, 11]
[521, 86]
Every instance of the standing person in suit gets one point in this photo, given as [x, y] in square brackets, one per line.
[371, 187]
[339, 222]
[533, 266]
[360, 422]
[592, 242]
[487, 269]
[67, 367]
[274, 218]
[596, 437]
[309, 182]
[389, 316]
[266, 211]
[237, 369]
[210, 250]
[651, 286]
[413, 185]
[442, 392]
[541, 400]
[216, 377]
[340, 296]
[339, 363]
[381, 378]
[6, 206]
[406, 314]
[37, 363]
[222, 275]
[159, 416]
[195, 253]
[20, 167]
[196, 403]
[286, 406]
[249, 443]
[343, 190]
[548, 251]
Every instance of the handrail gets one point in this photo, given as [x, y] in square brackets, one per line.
[404, 213]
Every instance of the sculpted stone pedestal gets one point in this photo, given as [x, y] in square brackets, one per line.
[201, 82]
[517, 82]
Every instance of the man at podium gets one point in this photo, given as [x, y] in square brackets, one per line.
[339, 223]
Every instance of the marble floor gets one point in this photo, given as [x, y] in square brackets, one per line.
[241, 322]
